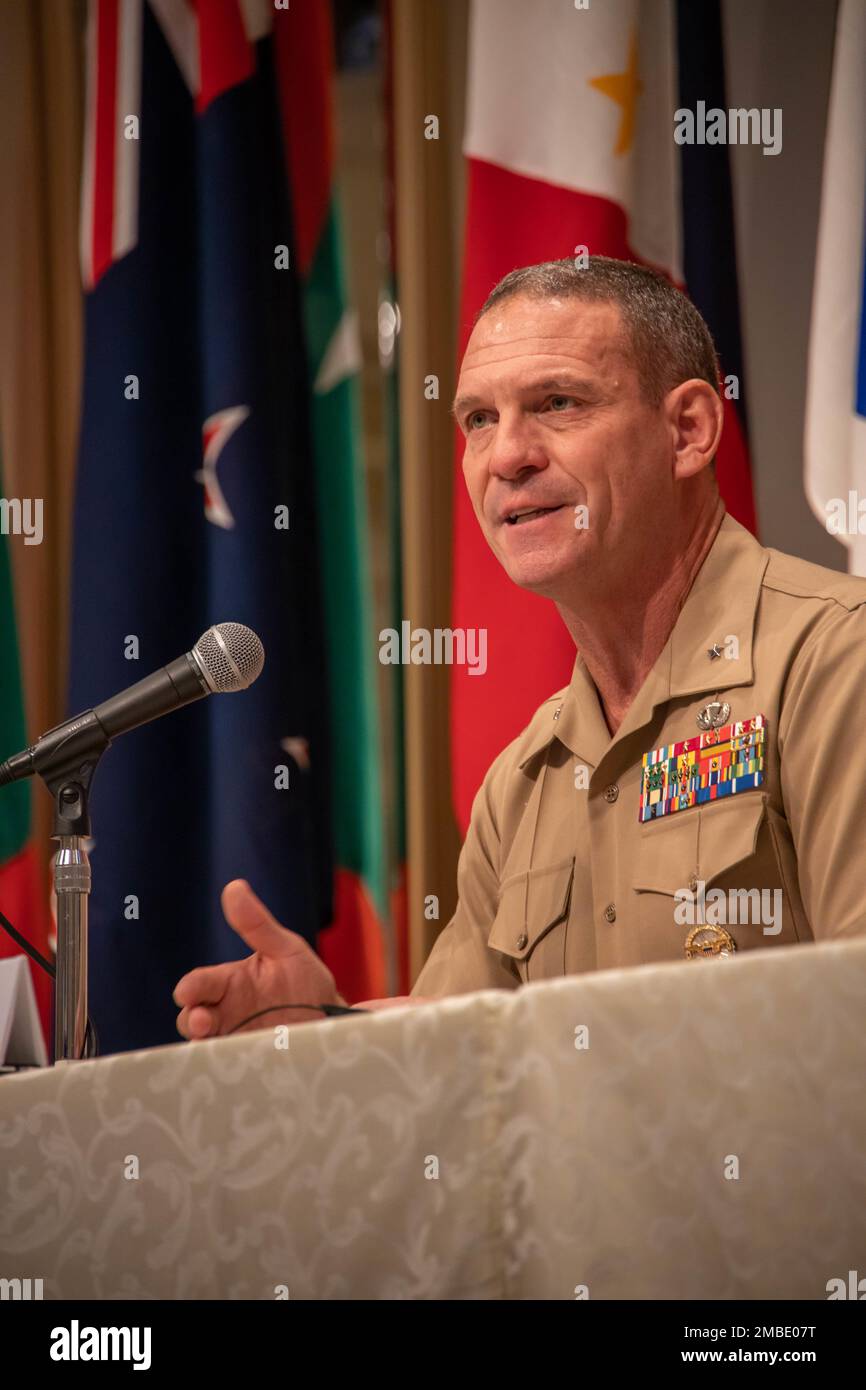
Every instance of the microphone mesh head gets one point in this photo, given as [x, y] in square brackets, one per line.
[230, 656]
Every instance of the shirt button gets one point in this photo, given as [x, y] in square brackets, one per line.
[610, 913]
[611, 793]
[522, 940]
[693, 884]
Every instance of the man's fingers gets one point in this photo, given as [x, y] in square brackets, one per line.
[203, 994]
[197, 1022]
[249, 917]
[205, 985]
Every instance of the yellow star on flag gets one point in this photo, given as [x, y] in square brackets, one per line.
[623, 88]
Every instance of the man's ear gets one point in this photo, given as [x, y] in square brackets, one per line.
[695, 416]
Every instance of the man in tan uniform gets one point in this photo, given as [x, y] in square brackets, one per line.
[694, 791]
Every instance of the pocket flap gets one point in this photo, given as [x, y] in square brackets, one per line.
[719, 836]
[530, 904]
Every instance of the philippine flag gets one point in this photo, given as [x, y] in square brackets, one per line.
[570, 143]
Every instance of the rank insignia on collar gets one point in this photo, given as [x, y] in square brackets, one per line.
[707, 767]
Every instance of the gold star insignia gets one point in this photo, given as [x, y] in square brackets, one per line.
[623, 88]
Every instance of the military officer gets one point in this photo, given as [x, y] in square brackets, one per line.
[562, 873]
[695, 791]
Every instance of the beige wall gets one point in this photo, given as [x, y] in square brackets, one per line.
[779, 54]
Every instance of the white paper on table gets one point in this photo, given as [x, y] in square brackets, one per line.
[21, 1040]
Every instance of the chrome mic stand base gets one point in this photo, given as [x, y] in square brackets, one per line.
[72, 886]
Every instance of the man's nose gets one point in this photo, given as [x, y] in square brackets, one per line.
[515, 450]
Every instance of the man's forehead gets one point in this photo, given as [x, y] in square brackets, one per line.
[549, 332]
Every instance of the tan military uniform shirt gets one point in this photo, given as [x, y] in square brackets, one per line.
[558, 875]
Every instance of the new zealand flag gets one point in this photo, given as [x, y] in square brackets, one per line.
[195, 501]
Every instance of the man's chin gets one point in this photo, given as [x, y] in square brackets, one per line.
[541, 557]
[539, 574]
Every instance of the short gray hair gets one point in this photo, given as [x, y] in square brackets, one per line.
[670, 342]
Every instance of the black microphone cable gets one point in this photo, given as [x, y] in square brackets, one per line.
[25, 946]
[91, 1041]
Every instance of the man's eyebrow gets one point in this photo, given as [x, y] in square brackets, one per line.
[566, 384]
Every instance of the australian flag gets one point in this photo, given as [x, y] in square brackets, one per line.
[195, 500]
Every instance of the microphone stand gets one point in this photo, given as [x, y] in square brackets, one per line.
[68, 779]
[72, 887]
[227, 657]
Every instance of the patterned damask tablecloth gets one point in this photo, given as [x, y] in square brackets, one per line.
[468, 1148]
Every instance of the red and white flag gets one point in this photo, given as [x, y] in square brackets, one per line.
[569, 143]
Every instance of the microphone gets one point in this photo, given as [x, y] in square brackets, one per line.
[227, 657]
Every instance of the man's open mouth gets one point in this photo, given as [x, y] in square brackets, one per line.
[515, 518]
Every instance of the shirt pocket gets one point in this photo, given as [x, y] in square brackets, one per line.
[719, 845]
[531, 920]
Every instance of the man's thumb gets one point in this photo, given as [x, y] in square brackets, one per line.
[249, 917]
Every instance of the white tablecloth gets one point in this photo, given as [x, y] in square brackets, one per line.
[467, 1148]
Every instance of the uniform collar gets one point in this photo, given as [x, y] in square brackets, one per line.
[721, 604]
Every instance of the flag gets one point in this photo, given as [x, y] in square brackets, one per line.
[196, 499]
[23, 900]
[356, 944]
[835, 441]
[569, 143]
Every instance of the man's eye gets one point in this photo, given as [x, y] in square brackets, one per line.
[558, 403]
[476, 419]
